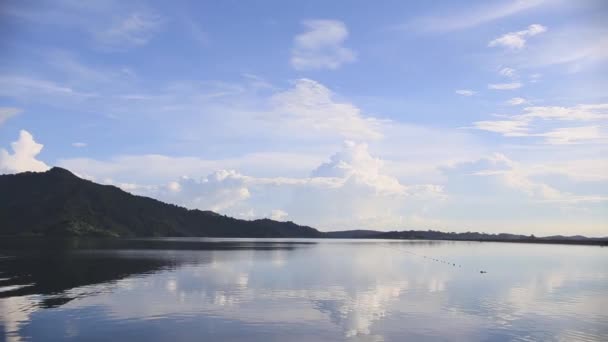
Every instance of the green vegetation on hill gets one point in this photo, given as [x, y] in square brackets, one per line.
[58, 203]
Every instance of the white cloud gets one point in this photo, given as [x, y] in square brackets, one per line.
[529, 123]
[320, 47]
[509, 128]
[508, 72]
[7, 113]
[23, 158]
[576, 47]
[572, 135]
[278, 215]
[136, 29]
[465, 92]
[505, 86]
[220, 190]
[579, 170]
[17, 86]
[311, 104]
[351, 188]
[516, 101]
[517, 40]
[79, 144]
[582, 112]
[459, 19]
[355, 164]
[513, 175]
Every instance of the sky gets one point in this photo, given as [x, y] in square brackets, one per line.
[486, 116]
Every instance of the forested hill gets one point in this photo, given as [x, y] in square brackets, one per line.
[58, 203]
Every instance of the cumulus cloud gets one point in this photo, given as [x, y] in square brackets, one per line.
[310, 104]
[220, 190]
[355, 165]
[517, 40]
[7, 113]
[465, 92]
[351, 188]
[321, 46]
[278, 215]
[23, 158]
[505, 86]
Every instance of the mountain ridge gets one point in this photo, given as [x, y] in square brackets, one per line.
[59, 203]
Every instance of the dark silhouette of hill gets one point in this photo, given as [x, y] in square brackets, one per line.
[58, 203]
[475, 236]
[352, 234]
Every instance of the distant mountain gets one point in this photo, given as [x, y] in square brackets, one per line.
[352, 234]
[475, 236]
[58, 203]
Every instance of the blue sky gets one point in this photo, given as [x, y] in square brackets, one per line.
[488, 116]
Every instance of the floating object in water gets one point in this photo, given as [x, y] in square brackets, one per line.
[483, 272]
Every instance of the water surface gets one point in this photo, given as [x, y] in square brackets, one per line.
[300, 290]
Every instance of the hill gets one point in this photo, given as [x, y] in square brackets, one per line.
[58, 203]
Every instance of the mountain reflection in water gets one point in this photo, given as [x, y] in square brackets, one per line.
[298, 290]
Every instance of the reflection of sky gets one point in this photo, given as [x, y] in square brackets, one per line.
[337, 290]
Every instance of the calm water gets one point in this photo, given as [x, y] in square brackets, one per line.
[300, 290]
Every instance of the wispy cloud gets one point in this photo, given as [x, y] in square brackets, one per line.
[572, 135]
[196, 32]
[582, 112]
[516, 101]
[575, 47]
[23, 87]
[110, 24]
[459, 19]
[321, 46]
[505, 86]
[465, 92]
[528, 124]
[517, 40]
[508, 72]
[508, 128]
[7, 113]
[136, 29]
[79, 144]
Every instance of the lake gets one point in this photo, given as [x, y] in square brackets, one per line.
[186, 289]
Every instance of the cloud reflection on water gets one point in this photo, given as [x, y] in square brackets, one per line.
[370, 291]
